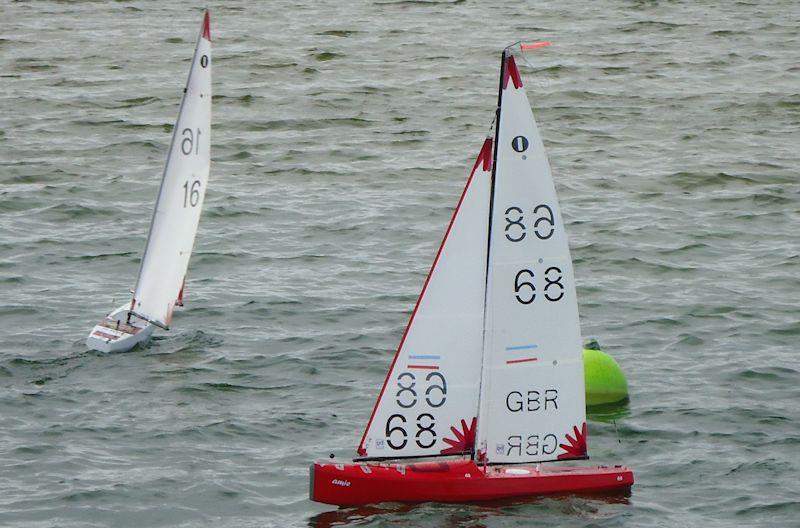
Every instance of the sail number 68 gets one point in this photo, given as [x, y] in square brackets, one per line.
[435, 394]
[525, 289]
[543, 226]
[397, 437]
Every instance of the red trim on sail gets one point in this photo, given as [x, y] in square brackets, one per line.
[525, 360]
[207, 27]
[511, 71]
[179, 302]
[484, 157]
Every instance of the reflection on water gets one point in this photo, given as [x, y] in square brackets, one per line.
[471, 514]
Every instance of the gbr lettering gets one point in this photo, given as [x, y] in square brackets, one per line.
[531, 445]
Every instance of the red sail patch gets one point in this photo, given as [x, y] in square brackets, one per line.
[207, 27]
[511, 71]
[485, 156]
[577, 446]
[465, 439]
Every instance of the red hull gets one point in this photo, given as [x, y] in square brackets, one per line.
[455, 481]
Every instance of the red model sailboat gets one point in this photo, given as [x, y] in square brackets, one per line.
[487, 382]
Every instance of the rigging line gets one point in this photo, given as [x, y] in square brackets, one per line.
[525, 60]
[523, 462]
[520, 46]
[147, 319]
[517, 43]
[408, 457]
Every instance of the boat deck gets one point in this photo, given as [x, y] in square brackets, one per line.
[120, 327]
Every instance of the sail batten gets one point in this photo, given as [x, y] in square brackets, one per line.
[181, 194]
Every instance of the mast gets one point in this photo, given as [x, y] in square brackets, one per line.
[475, 448]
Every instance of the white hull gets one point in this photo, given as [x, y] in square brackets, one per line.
[116, 334]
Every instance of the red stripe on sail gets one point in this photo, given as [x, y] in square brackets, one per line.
[484, 157]
[207, 27]
[179, 302]
[512, 361]
[511, 71]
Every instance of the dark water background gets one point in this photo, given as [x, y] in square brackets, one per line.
[343, 133]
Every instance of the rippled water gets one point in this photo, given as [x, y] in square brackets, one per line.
[343, 133]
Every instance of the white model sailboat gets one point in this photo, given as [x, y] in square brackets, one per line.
[489, 372]
[162, 272]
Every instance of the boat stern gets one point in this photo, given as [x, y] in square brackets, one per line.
[103, 339]
[116, 334]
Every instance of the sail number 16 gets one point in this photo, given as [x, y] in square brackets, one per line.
[190, 142]
[191, 193]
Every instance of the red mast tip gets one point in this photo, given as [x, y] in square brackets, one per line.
[528, 46]
[511, 71]
[207, 27]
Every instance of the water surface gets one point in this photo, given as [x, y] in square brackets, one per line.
[343, 133]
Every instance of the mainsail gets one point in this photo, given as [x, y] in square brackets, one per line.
[429, 400]
[532, 388]
[180, 198]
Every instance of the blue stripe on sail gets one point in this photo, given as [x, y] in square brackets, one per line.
[425, 356]
[522, 347]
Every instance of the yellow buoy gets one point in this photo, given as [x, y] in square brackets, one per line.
[605, 381]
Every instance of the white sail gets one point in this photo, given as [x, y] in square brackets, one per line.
[180, 198]
[532, 387]
[429, 401]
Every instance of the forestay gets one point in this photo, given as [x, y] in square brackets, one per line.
[532, 387]
[180, 199]
[429, 400]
